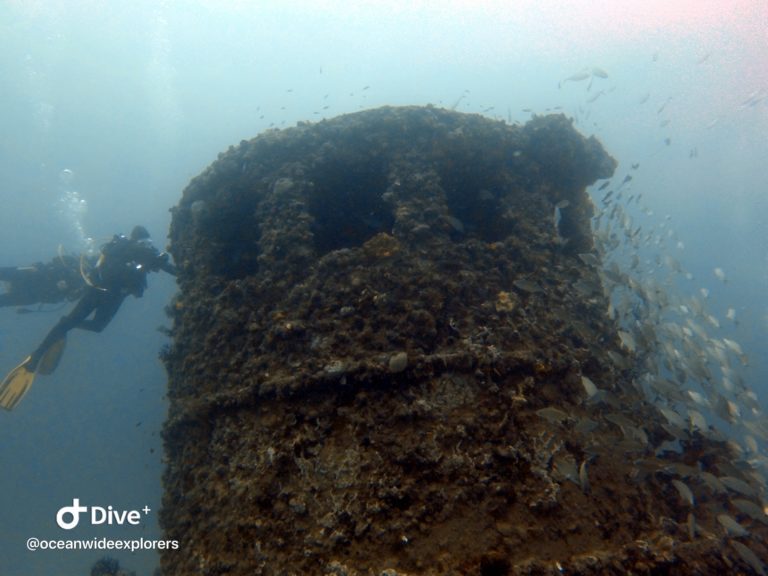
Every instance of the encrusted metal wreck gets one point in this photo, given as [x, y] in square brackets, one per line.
[391, 355]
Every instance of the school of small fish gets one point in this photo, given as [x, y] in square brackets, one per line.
[691, 362]
[689, 358]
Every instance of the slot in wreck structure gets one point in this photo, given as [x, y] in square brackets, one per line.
[391, 356]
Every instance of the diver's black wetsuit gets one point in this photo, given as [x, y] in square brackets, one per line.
[122, 270]
[49, 282]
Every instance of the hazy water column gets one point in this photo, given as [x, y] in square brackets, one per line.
[165, 113]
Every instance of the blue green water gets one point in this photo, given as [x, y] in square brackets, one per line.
[136, 98]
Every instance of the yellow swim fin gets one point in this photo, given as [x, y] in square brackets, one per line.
[16, 384]
[50, 359]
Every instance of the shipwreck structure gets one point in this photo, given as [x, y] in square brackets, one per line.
[391, 356]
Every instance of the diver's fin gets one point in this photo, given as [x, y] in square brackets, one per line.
[50, 359]
[16, 384]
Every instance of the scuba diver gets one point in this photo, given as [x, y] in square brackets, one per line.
[42, 283]
[121, 269]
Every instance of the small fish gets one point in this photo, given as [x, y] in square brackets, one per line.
[636, 165]
[578, 77]
[628, 341]
[727, 410]
[644, 98]
[750, 509]
[565, 467]
[585, 426]
[584, 478]
[697, 420]
[749, 557]
[684, 491]
[552, 415]
[604, 185]
[698, 398]
[599, 72]
[692, 527]
[527, 285]
[619, 420]
[733, 346]
[737, 485]
[595, 96]
[586, 288]
[731, 314]
[589, 259]
[720, 274]
[627, 178]
[732, 527]
[754, 99]
[558, 217]
[589, 386]
[712, 482]
[673, 418]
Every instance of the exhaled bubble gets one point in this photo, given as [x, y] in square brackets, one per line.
[66, 177]
[73, 207]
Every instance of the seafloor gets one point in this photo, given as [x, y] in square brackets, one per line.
[378, 367]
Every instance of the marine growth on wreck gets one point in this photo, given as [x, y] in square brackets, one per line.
[395, 352]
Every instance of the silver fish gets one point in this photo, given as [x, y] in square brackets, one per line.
[749, 557]
[737, 485]
[731, 526]
[564, 467]
[584, 478]
[589, 386]
[527, 285]
[595, 96]
[578, 77]
[589, 259]
[684, 491]
[720, 274]
[552, 415]
[628, 341]
[750, 509]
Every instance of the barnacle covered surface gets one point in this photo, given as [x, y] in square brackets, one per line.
[378, 366]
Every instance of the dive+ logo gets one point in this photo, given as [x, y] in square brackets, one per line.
[69, 516]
